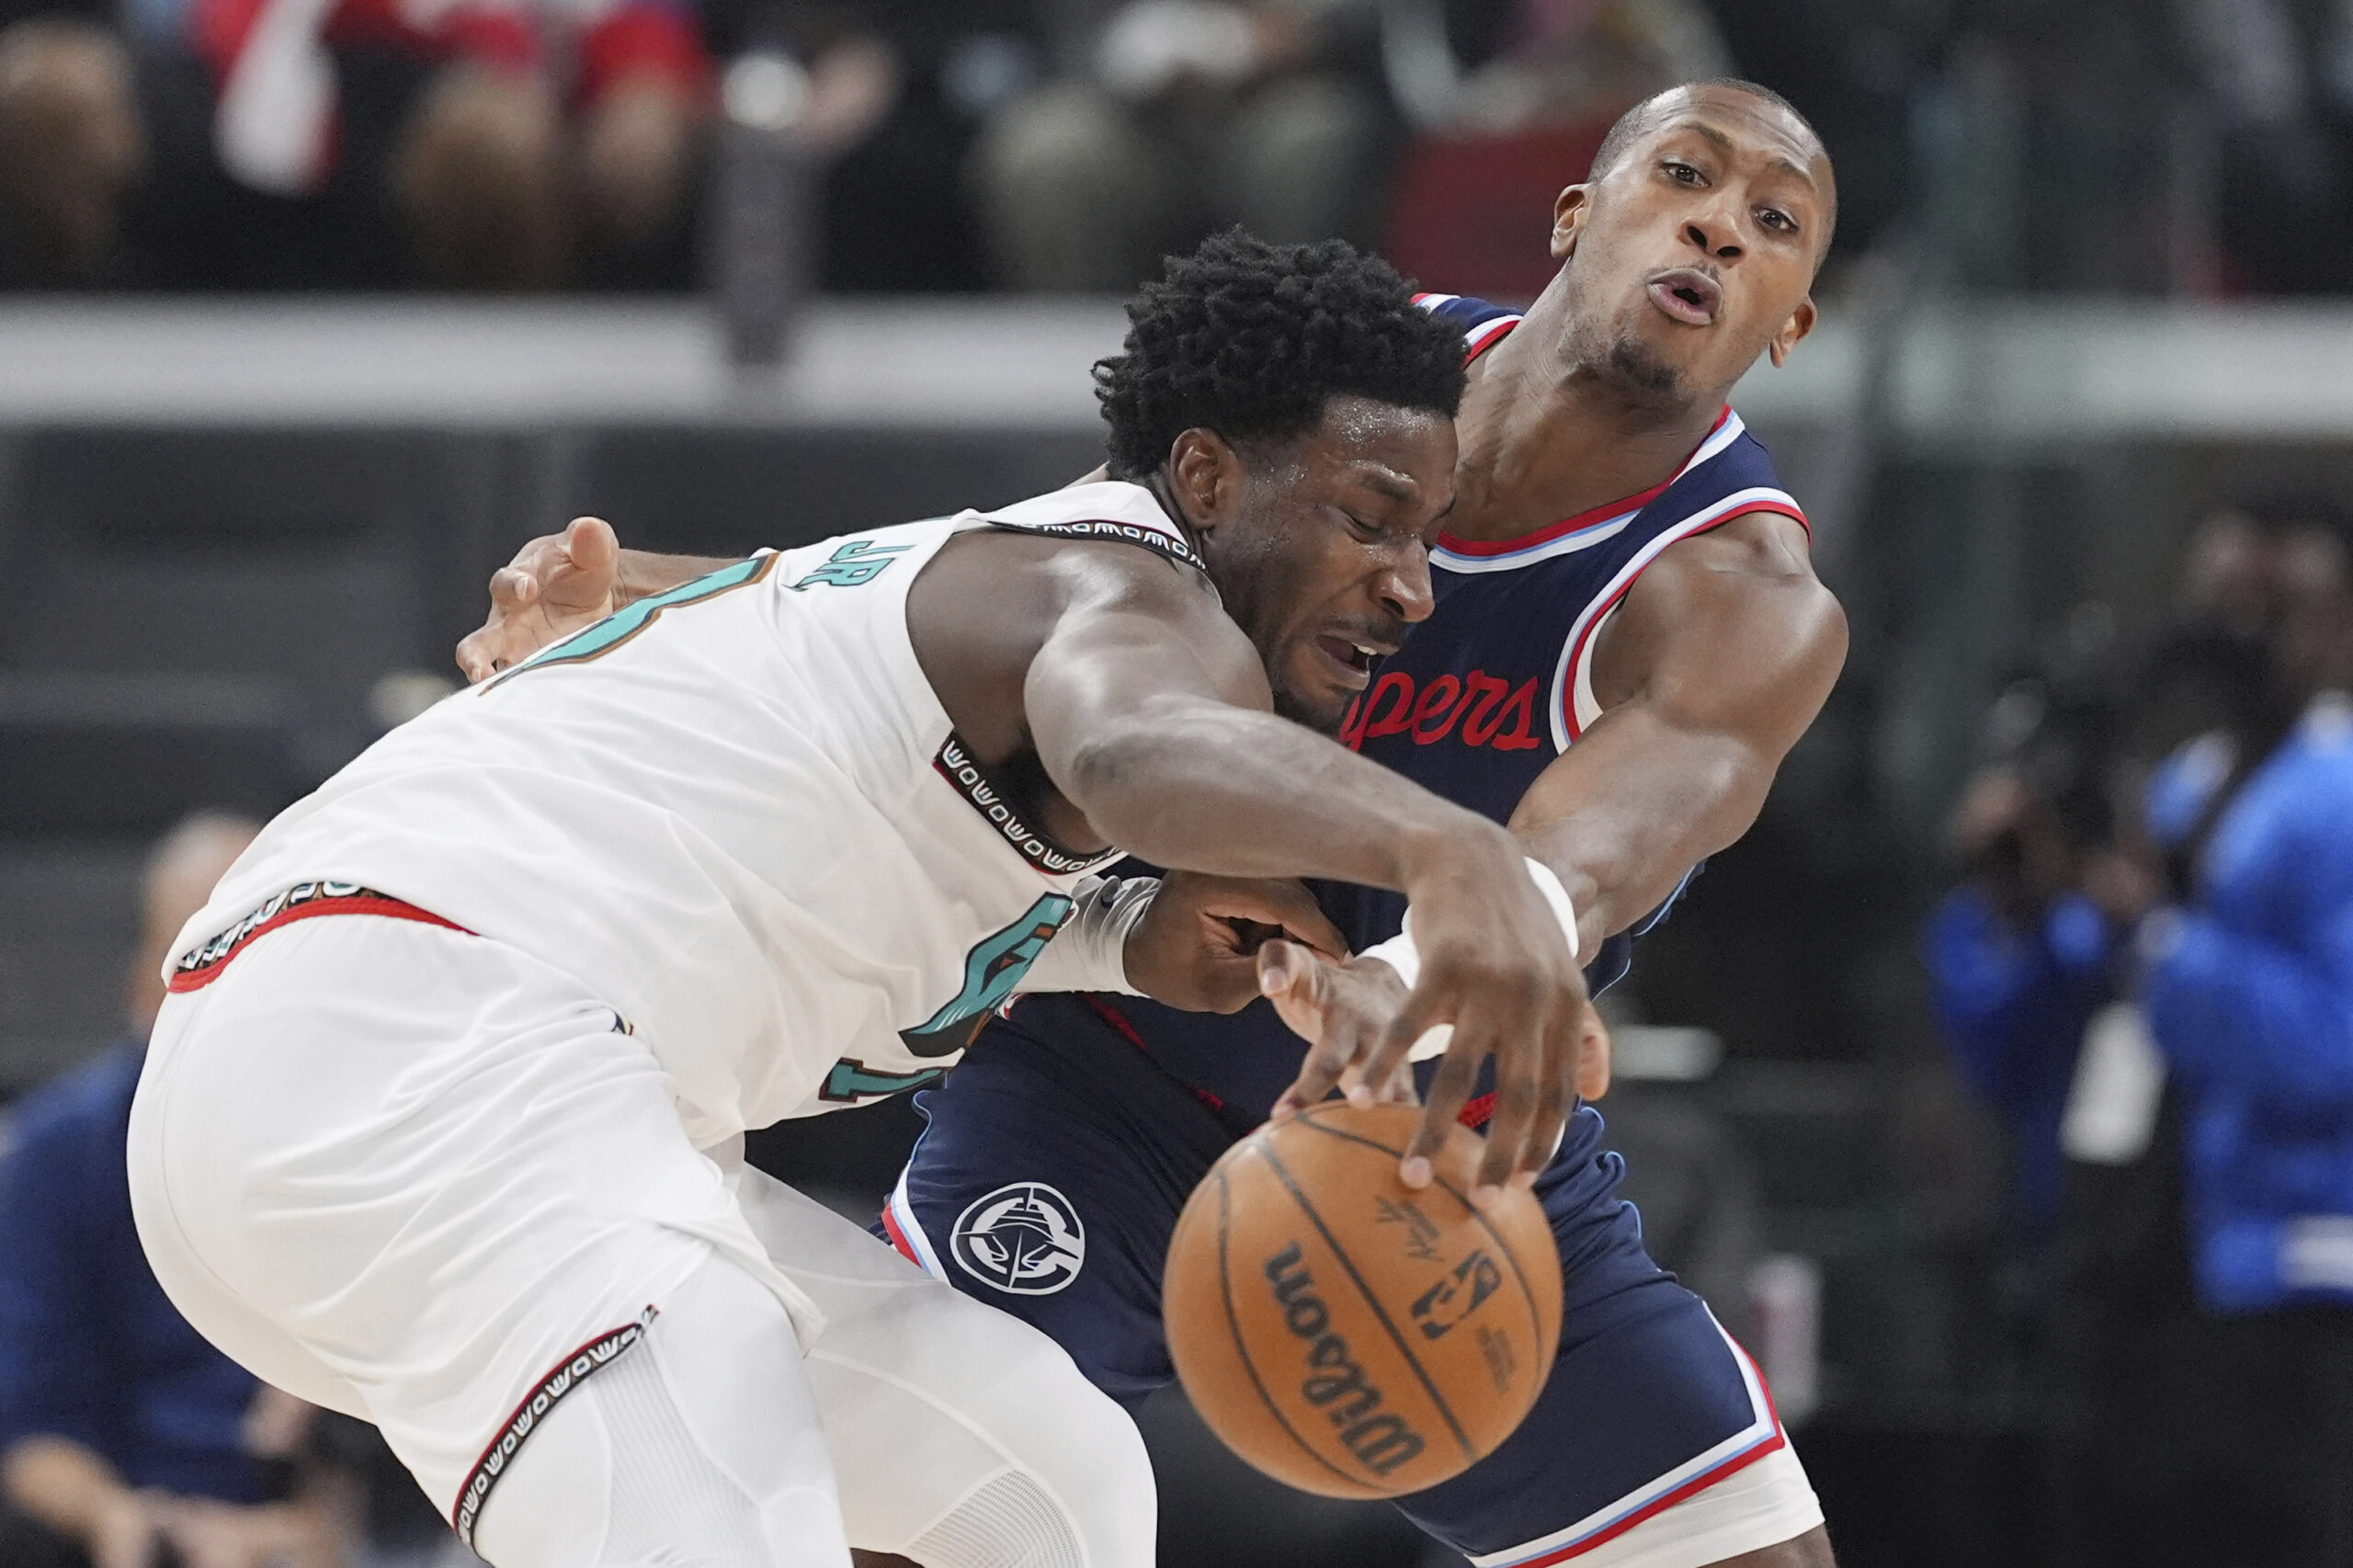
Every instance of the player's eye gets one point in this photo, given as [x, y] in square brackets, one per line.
[1775, 219]
[1681, 172]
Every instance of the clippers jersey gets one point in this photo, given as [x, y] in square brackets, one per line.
[1479, 700]
[1499, 681]
[735, 811]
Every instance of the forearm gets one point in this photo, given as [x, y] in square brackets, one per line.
[63, 1486]
[641, 574]
[1235, 792]
[1626, 813]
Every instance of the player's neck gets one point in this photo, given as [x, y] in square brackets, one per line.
[1544, 438]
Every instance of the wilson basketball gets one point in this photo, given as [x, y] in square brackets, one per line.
[1345, 1332]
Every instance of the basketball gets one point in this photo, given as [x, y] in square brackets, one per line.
[1345, 1332]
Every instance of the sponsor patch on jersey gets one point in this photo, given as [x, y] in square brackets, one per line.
[1024, 1239]
[955, 764]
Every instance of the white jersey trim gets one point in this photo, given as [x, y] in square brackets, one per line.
[906, 1232]
[1573, 706]
[1686, 1487]
[1728, 430]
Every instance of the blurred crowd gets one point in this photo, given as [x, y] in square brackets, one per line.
[2198, 145]
[2147, 970]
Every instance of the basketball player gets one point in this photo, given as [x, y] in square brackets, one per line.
[436, 1124]
[1627, 638]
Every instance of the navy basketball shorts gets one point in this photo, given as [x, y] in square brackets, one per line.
[1049, 1179]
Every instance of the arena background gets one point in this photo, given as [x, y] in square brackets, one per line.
[2088, 291]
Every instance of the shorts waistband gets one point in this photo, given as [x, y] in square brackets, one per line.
[202, 966]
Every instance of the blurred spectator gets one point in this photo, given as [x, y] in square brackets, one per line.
[897, 89]
[122, 1430]
[2199, 1324]
[72, 146]
[1175, 117]
[2248, 988]
[327, 143]
[1507, 112]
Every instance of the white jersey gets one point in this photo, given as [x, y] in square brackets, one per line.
[735, 810]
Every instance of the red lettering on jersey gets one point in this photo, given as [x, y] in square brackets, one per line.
[1479, 700]
[1519, 710]
[1399, 718]
[1436, 703]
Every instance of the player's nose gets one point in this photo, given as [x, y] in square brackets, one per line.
[1715, 233]
[1404, 587]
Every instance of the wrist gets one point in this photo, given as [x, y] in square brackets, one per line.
[1467, 848]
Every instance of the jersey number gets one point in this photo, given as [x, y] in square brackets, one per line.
[621, 625]
[991, 972]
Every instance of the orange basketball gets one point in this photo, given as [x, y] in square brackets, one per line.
[1345, 1332]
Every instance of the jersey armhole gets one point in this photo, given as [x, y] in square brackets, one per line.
[1575, 708]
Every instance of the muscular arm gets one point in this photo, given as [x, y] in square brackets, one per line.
[1718, 659]
[1150, 713]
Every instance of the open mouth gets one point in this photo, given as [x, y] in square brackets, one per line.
[1350, 655]
[1692, 298]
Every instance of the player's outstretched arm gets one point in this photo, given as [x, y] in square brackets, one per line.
[1151, 712]
[1722, 656]
[560, 583]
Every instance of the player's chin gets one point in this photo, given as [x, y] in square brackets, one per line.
[1314, 697]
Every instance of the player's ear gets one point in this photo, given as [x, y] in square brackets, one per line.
[1205, 475]
[1568, 220]
[1792, 333]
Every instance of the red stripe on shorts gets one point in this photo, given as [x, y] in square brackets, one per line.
[355, 904]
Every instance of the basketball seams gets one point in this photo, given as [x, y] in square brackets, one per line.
[1242, 1343]
[1535, 1312]
[1339, 1255]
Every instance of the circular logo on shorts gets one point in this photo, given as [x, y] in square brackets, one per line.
[1024, 1239]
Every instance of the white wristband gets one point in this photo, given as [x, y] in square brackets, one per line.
[1400, 954]
[1090, 952]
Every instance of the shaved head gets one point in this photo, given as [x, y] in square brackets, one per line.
[1656, 110]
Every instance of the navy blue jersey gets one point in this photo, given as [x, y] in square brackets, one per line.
[1479, 700]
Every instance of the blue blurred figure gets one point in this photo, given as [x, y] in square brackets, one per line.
[123, 1434]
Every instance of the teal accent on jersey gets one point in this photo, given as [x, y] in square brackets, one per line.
[851, 1079]
[621, 625]
[991, 972]
[857, 563]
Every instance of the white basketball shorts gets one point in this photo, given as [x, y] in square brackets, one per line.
[416, 1175]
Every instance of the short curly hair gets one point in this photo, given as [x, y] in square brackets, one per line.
[1251, 340]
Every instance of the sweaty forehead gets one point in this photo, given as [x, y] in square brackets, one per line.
[1747, 121]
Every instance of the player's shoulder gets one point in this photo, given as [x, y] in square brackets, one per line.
[1106, 512]
[1731, 474]
[1482, 321]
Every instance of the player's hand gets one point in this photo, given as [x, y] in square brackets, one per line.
[1195, 947]
[1340, 1009]
[556, 585]
[1343, 1009]
[1498, 971]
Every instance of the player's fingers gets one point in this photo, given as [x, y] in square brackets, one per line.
[1556, 1091]
[512, 589]
[1595, 1052]
[1297, 980]
[1290, 905]
[1449, 1088]
[589, 566]
[1519, 1063]
[1400, 1088]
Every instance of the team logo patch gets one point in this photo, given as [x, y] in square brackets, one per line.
[1024, 1240]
